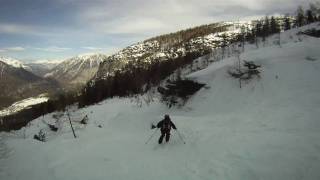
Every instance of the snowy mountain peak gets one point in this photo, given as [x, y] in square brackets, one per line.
[91, 58]
[78, 69]
[90, 55]
[14, 62]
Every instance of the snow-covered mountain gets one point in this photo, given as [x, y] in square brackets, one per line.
[268, 129]
[198, 40]
[39, 68]
[77, 70]
[14, 62]
[16, 83]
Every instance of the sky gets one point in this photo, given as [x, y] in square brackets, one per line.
[57, 29]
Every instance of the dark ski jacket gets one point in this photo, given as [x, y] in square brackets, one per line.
[165, 125]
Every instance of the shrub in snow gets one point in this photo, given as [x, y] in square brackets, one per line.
[235, 73]
[247, 73]
[58, 115]
[312, 32]
[308, 58]
[52, 127]
[41, 136]
[85, 120]
[179, 91]
[252, 70]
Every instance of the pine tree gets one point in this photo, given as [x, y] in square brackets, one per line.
[259, 29]
[300, 18]
[251, 35]
[315, 9]
[266, 28]
[310, 16]
[274, 26]
[258, 32]
[243, 35]
[287, 23]
[224, 44]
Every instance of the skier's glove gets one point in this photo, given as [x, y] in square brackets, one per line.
[153, 126]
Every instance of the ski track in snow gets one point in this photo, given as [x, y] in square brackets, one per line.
[269, 129]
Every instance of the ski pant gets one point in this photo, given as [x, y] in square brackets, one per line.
[164, 134]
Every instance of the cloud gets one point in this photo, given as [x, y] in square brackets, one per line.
[46, 31]
[92, 48]
[53, 49]
[17, 29]
[133, 25]
[154, 17]
[17, 48]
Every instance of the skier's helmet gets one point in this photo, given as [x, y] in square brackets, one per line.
[166, 117]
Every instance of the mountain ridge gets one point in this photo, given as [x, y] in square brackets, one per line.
[77, 70]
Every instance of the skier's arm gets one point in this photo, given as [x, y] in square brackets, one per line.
[159, 124]
[173, 125]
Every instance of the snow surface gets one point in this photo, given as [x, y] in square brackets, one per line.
[268, 129]
[23, 104]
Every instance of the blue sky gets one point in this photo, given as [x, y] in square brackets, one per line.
[57, 29]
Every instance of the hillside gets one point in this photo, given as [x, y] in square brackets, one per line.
[198, 41]
[268, 129]
[134, 69]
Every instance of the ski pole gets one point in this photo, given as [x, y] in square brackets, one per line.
[151, 136]
[74, 134]
[181, 137]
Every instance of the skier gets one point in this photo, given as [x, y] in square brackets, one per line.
[165, 127]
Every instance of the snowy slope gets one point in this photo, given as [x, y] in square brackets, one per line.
[269, 129]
